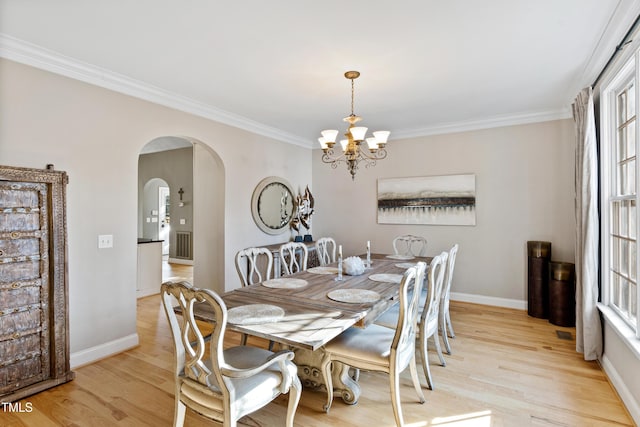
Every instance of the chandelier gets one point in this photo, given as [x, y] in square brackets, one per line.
[353, 151]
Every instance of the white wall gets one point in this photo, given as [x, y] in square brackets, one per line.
[524, 191]
[96, 136]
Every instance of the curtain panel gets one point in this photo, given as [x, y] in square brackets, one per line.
[588, 324]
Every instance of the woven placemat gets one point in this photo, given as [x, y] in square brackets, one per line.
[353, 296]
[385, 277]
[323, 270]
[285, 283]
[400, 257]
[405, 265]
[254, 313]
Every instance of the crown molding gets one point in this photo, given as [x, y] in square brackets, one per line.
[39, 57]
[485, 123]
[620, 22]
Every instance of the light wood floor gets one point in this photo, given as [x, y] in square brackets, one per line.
[507, 369]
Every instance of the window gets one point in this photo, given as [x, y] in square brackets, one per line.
[620, 178]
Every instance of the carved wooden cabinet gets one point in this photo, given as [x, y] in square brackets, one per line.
[34, 329]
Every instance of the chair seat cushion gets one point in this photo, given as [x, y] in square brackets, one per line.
[250, 393]
[371, 345]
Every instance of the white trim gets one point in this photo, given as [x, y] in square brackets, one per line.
[625, 395]
[494, 301]
[39, 57]
[626, 69]
[621, 21]
[181, 261]
[485, 123]
[624, 331]
[93, 354]
[141, 293]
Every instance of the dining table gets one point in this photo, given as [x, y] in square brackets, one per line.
[305, 310]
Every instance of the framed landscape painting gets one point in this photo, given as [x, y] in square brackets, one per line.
[438, 200]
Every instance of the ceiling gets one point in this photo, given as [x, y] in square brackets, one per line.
[276, 67]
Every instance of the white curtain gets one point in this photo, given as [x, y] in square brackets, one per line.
[588, 326]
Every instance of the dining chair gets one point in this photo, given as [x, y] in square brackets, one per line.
[381, 349]
[429, 317]
[409, 244]
[229, 383]
[429, 300]
[326, 250]
[446, 327]
[254, 265]
[293, 257]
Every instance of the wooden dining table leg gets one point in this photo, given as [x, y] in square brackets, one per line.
[310, 374]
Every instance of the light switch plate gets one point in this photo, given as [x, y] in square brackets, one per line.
[105, 241]
[183, 221]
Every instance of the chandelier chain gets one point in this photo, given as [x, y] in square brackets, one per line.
[352, 92]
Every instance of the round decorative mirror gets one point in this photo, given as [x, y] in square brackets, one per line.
[272, 205]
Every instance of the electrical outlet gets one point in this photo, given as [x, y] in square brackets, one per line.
[105, 241]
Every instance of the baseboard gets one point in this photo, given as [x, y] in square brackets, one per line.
[93, 354]
[629, 401]
[497, 302]
[141, 293]
[181, 261]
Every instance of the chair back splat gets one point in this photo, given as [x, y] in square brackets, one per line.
[254, 265]
[410, 245]
[326, 250]
[293, 257]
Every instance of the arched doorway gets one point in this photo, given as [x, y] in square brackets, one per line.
[194, 176]
[156, 212]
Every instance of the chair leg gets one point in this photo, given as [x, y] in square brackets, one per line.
[436, 340]
[450, 325]
[445, 340]
[414, 377]
[394, 379]
[328, 380]
[443, 329]
[424, 355]
[294, 398]
[180, 412]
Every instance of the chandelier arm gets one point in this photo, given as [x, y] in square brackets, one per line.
[330, 157]
[380, 154]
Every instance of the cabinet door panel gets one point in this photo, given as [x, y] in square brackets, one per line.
[34, 324]
[24, 266]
